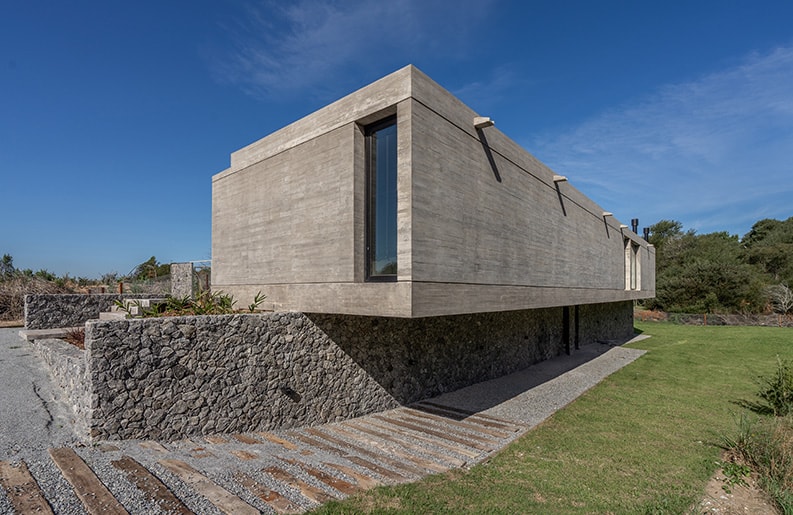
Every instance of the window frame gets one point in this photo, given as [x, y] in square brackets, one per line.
[370, 200]
[632, 265]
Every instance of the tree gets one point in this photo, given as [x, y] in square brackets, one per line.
[664, 231]
[703, 273]
[769, 246]
[7, 266]
[781, 298]
[150, 269]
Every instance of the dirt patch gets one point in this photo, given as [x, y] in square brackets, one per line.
[648, 315]
[12, 323]
[76, 337]
[741, 499]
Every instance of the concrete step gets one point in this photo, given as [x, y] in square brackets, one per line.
[112, 315]
[40, 334]
[136, 307]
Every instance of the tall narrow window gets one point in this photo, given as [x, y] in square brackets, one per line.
[381, 206]
[632, 266]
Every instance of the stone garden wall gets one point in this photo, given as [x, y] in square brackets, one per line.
[67, 365]
[168, 378]
[55, 310]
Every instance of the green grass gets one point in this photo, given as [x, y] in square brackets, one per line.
[645, 440]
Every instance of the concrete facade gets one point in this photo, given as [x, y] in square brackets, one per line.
[481, 224]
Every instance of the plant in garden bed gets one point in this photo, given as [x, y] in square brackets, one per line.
[76, 337]
[257, 301]
[205, 303]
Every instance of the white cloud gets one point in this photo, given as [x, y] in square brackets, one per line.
[714, 153]
[310, 45]
[491, 89]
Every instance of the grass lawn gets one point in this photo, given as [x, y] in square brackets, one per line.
[645, 440]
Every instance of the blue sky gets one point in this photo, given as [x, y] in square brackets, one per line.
[115, 115]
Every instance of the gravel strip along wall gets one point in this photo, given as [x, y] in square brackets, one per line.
[53, 311]
[167, 378]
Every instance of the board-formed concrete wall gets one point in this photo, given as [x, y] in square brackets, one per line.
[481, 224]
[169, 378]
[48, 311]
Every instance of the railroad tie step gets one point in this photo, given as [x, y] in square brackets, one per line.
[392, 449]
[21, 489]
[404, 442]
[310, 492]
[153, 489]
[276, 501]
[223, 500]
[480, 418]
[361, 462]
[94, 495]
[398, 465]
[327, 479]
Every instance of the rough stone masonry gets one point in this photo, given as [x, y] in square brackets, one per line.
[167, 378]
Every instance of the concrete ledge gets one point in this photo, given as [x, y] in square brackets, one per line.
[39, 334]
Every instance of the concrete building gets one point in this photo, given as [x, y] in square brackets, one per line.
[400, 201]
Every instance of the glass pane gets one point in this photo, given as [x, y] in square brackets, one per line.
[383, 202]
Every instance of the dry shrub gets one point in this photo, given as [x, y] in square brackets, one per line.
[14, 289]
[76, 337]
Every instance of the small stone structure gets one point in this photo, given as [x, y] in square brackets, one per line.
[69, 310]
[68, 366]
[182, 280]
[170, 378]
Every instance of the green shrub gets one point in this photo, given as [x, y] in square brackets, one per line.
[777, 390]
[205, 303]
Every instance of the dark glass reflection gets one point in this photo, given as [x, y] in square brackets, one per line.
[382, 240]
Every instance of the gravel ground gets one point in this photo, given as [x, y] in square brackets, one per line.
[34, 419]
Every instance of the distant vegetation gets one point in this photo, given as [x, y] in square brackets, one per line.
[722, 273]
[15, 283]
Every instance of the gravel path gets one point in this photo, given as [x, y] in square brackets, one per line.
[284, 471]
[534, 394]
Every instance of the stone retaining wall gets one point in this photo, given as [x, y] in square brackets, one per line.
[67, 365]
[417, 358]
[171, 377]
[168, 378]
[50, 311]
